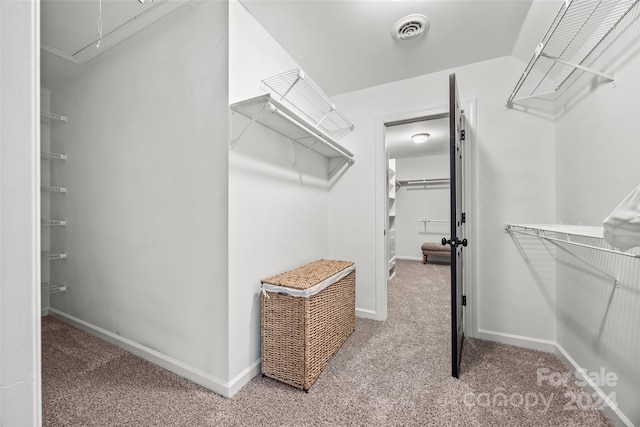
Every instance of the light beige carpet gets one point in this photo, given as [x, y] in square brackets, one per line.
[393, 373]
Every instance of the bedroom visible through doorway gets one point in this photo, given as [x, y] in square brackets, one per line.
[426, 170]
[418, 189]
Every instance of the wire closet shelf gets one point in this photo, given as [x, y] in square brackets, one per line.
[53, 287]
[566, 237]
[275, 116]
[579, 28]
[568, 234]
[297, 90]
[298, 110]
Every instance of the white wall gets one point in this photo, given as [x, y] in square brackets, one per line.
[515, 182]
[278, 194]
[151, 175]
[147, 175]
[20, 400]
[540, 15]
[414, 203]
[598, 155]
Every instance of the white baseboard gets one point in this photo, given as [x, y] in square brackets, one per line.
[610, 407]
[518, 340]
[409, 258]
[366, 314]
[226, 389]
[243, 378]
[44, 312]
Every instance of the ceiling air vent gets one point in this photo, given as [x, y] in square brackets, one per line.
[410, 27]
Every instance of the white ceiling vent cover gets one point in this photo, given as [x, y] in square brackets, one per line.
[410, 27]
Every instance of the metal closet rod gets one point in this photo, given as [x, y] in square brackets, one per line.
[540, 233]
[424, 181]
[348, 156]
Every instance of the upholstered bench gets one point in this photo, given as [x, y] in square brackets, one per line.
[435, 249]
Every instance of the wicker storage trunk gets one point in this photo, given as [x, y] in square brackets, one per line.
[307, 314]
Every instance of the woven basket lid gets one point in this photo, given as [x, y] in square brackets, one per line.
[308, 275]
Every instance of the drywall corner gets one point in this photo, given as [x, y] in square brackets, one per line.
[609, 405]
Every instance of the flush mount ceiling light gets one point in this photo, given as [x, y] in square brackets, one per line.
[410, 27]
[420, 138]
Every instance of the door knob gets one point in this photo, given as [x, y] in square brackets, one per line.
[457, 242]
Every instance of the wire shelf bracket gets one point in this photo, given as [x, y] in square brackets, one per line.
[578, 66]
[579, 28]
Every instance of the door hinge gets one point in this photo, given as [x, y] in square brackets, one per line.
[464, 217]
[462, 134]
[464, 300]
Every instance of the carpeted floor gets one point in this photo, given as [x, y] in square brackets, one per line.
[393, 373]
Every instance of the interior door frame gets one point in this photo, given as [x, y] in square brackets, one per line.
[20, 364]
[469, 164]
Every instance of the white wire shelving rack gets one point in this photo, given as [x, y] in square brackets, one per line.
[53, 287]
[52, 189]
[564, 237]
[272, 114]
[54, 222]
[579, 28]
[47, 285]
[297, 90]
[46, 155]
[47, 115]
[564, 234]
[297, 109]
[53, 255]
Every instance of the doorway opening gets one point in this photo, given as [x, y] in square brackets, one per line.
[418, 189]
[427, 224]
